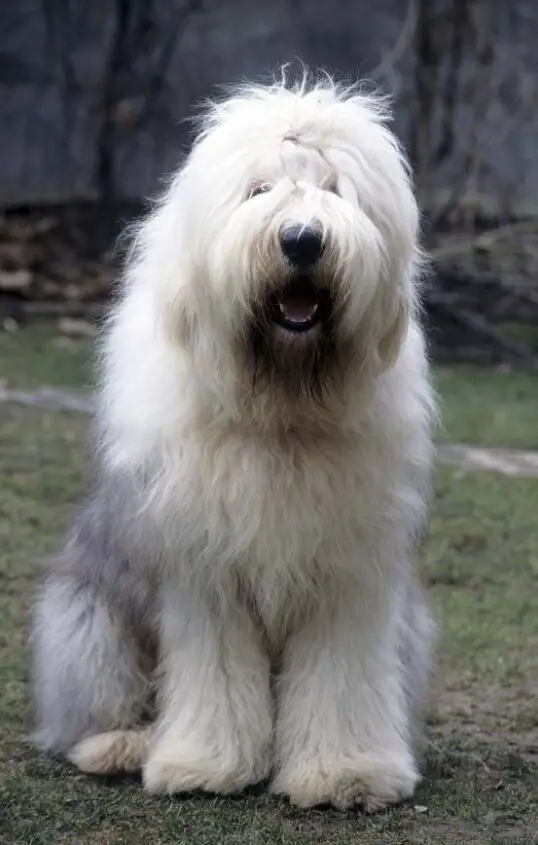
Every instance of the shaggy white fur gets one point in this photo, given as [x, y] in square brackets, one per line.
[263, 474]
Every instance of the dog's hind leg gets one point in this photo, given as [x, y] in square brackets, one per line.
[88, 677]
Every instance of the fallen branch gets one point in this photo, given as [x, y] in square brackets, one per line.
[512, 462]
[49, 399]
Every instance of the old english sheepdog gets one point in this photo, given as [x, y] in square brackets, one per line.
[237, 599]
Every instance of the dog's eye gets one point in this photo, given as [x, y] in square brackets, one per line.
[255, 190]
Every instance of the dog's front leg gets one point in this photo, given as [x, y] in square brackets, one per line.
[214, 730]
[342, 732]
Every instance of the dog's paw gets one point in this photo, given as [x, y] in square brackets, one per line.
[370, 780]
[111, 753]
[171, 770]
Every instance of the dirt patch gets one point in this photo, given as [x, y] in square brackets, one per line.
[489, 714]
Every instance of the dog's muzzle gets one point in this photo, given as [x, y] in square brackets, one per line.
[301, 304]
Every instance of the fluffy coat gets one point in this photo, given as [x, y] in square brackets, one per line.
[237, 598]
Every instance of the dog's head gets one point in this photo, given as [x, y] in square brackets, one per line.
[295, 231]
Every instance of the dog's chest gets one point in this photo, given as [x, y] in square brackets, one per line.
[274, 505]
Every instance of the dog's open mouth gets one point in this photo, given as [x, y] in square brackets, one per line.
[300, 306]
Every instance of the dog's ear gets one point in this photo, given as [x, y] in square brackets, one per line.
[393, 337]
[179, 320]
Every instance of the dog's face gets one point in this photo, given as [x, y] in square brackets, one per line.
[301, 231]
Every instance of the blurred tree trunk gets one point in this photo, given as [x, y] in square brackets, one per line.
[455, 74]
[454, 56]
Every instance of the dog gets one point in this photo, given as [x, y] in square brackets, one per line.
[237, 599]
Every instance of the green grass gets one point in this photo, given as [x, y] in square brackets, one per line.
[42, 357]
[488, 407]
[481, 564]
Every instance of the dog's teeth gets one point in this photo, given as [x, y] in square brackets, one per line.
[298, 312]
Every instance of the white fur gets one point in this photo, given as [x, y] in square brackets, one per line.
[287, 527]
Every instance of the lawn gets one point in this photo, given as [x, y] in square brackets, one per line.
[481, 564]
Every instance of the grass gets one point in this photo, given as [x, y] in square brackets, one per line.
[488, 407]
[42, 357]
[481, 563]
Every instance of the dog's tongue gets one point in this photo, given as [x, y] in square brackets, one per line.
[299, 309]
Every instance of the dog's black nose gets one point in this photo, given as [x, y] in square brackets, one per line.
[302, 245]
